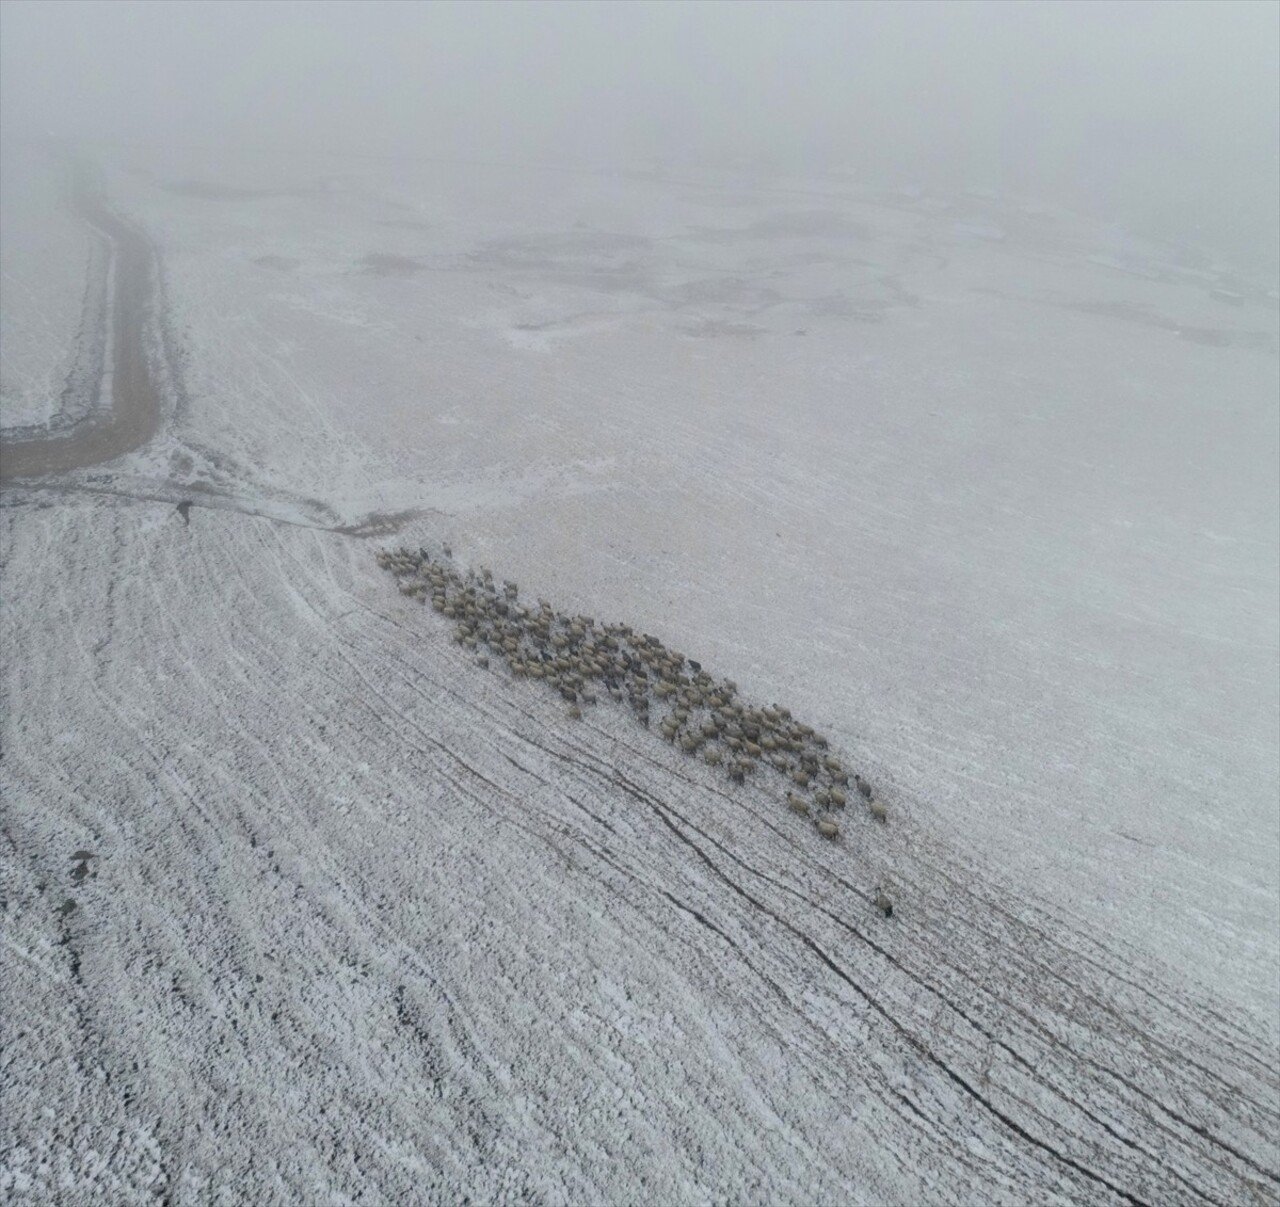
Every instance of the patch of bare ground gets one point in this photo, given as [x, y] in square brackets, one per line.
[1215, 337]
[809, 223]
[387, 264]
[212, 191]
[406, 224]
[380, 523]
[279, 263]
[713, 329]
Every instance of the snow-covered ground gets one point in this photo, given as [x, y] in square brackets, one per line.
[987, 499]
[49, 261]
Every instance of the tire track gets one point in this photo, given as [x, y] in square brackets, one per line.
[916, 1044]
[951, 1004]
[1150, 1103]
[499, 787]
[441, 685]
[1052, 1043]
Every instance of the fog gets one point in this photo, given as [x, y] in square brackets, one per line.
[639, 602]
[1160, 118]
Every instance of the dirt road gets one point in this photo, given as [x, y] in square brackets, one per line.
[134, 412]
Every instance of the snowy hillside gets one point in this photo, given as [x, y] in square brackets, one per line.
[985, 495]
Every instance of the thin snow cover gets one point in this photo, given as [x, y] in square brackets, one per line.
[357, 919]
[52, 269]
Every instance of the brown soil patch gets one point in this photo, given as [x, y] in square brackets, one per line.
[383, 264]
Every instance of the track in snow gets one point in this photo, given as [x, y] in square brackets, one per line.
[366, 921]
[357, 897]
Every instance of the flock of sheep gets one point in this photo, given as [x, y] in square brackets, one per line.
[585, 661]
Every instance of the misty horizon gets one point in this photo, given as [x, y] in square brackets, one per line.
[639, 603]
[1161, 119]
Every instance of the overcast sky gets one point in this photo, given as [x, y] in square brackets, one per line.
[1164, 116]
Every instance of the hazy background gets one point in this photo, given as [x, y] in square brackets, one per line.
[1164, 118]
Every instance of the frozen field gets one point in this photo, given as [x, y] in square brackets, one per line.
[51, 270]
[985, 494]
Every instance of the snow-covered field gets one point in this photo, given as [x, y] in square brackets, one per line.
[51, 267]
[985, 494]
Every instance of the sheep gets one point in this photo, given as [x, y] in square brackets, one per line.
[582, 661]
